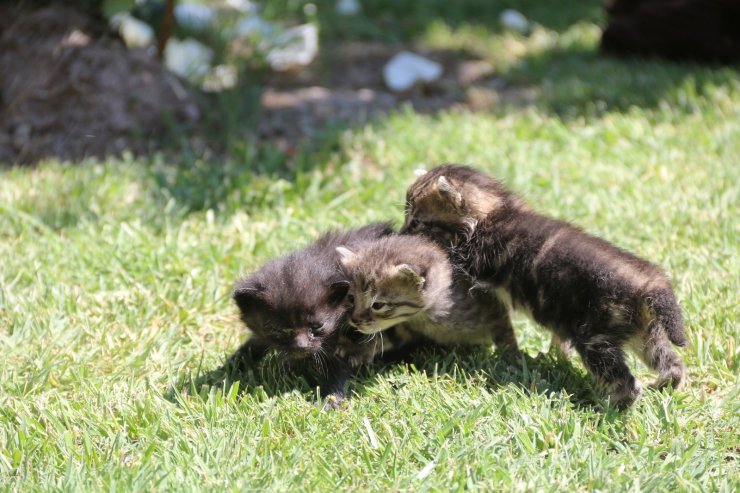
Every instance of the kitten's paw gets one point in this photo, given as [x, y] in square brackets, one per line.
[563, 347]
[673, 377]
[332, 402]
[624, 394]
[511, 354]
[359, 360]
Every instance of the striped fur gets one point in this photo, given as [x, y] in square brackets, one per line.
[408, 282]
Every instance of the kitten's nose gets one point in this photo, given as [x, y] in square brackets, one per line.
[353, 321]
[302, 341]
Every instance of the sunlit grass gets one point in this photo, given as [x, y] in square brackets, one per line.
[114, 298]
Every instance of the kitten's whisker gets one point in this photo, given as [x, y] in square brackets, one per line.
[325, 359]
[368, 338]
[319, 362]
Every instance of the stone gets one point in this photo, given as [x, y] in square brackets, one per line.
[134, 32]
[188, 58]
[294, 48]
[514, 21]
[405, 69]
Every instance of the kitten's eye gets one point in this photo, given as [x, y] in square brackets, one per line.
[350, 298]
[378, 305]
[315, 328]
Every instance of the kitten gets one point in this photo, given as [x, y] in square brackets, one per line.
[408, 282]
[588, 292]
[296, 305]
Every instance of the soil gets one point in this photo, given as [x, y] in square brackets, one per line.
[69, 90]
[346, 87]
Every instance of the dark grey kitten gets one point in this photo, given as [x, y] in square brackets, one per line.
[408, 282]
[591, 294]
[296, 305]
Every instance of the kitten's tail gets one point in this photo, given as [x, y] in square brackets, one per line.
[665, 308]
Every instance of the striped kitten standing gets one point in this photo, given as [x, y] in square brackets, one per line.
[591, 294]
[406, 283]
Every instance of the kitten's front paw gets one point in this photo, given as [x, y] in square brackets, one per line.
[360, 359]
[624, 394]
[332, 401]
[563, 347]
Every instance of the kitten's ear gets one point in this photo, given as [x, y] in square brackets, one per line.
[346, 256]
[338, 291]
[247, 295]
[408, 273]
[420, 172]
[445, 188]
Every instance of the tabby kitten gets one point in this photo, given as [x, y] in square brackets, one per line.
[296, 305]
[407, 282]
[588, 292]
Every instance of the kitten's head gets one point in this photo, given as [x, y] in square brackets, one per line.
[447, 202]
[297, 303]
[293, 305]
[384, 291]
[389, 297]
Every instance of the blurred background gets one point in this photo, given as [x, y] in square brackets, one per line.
[228, 78]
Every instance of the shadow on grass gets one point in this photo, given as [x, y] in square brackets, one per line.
[581, 82]
[545, 374]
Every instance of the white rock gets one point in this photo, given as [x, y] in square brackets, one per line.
[134, 32]
[194, 16]
[348, 7]
[188, 58]
[252, 25]
[293, 48]
[406, 69]
[515, 21]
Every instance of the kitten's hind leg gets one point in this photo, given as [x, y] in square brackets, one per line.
[505, 339]
[605, 359]
[657, 352]
[564, 346]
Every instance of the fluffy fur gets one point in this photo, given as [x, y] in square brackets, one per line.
[408, 282]
[296, 305]
[592, 295]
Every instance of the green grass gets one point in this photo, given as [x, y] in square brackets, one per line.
[115, 280]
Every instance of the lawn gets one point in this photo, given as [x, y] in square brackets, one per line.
[115, 279]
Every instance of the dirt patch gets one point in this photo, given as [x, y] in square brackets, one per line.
[68, 91]
[346, 87]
